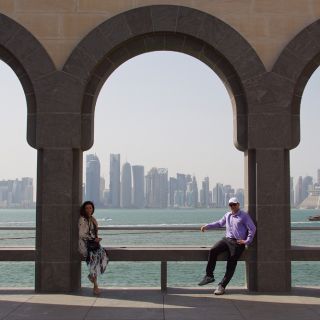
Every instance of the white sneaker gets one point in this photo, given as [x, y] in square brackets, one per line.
[220, 290]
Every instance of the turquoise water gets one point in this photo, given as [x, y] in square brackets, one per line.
[124, 274]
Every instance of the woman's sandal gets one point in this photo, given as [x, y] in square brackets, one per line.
[96, 291]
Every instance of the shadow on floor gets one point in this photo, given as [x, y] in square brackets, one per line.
[150, 303]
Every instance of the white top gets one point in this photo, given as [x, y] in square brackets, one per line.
[86, 232]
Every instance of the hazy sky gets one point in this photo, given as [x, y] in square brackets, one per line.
[159, 109]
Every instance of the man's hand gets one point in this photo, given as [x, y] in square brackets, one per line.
[203, 228]
[241, 241]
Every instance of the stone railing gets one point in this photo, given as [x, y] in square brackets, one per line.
[163, 254]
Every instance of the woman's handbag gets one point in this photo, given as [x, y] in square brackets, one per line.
[92, 245]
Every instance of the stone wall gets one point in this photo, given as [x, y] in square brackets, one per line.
[268, 25]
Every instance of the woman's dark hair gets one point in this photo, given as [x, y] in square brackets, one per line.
[83, 208]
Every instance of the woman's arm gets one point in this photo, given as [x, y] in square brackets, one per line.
[83, 229]
[95, 222]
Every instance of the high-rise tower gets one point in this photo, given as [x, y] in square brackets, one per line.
[126, 186]
[204, 195]
[173, 186]
[114, 180]
[182, 188]
[298, 192]
[157, 188]
[93, 179]
[138, 200]
[307, 183]
[192, 193]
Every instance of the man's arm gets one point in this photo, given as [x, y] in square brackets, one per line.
[251, 230]
[216, 224]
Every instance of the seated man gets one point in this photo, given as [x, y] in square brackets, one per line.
[240, 231]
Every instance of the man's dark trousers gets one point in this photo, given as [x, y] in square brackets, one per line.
[234, 251]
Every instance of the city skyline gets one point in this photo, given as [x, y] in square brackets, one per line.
[15, 193]
[130, 188]
[158, 189]
[184, 95]
[304, 192]
[104, 168]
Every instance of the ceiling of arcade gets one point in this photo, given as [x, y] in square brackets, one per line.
[268, 25]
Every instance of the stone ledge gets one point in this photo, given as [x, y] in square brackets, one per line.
[150, 253]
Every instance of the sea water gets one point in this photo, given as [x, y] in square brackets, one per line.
[126, 274]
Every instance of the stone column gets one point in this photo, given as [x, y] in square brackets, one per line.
[59, 181]
[250, 207]
[268, 185]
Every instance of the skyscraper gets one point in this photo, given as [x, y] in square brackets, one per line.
[218, 197]
[204, 194]
[172, 189]
[298, 192]
[114, 180]
[138, 200]
[291, 192]
[178, 199]
[307, 184]
[93, 179]
[102, 188]
[126, 186]
[157, 188]
[163, 188]
[195, 195]
[182, 187]
[16, 193]
[150, 188]
[27, 192]
[192, 193]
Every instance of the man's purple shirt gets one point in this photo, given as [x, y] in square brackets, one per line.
[238, 226]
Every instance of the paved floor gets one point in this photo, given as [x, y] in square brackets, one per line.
[150, 303]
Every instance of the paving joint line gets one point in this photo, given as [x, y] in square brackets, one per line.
[17, 307]
[90, 308]
[241, 314]
[163, 308]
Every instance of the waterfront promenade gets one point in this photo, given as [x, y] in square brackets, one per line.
[151, 303]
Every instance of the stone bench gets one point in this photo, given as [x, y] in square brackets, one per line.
[162, 254]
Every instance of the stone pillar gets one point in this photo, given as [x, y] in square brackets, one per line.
[59, 194]
[250, 207]
[268, 185]
[57, 138]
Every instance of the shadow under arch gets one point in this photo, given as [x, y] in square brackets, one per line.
[170, 28]
[296, 63]
[29, 61]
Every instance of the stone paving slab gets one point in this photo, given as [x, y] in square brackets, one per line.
[301, 303]
[11, 299]
[128, 304]
[151, 304]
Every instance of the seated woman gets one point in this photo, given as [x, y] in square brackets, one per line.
[89, 244]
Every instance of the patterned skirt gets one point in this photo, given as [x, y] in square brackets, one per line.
[97, 260]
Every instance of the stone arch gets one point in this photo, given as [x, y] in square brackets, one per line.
[164, 27]
[295, 65]
[29, 60]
